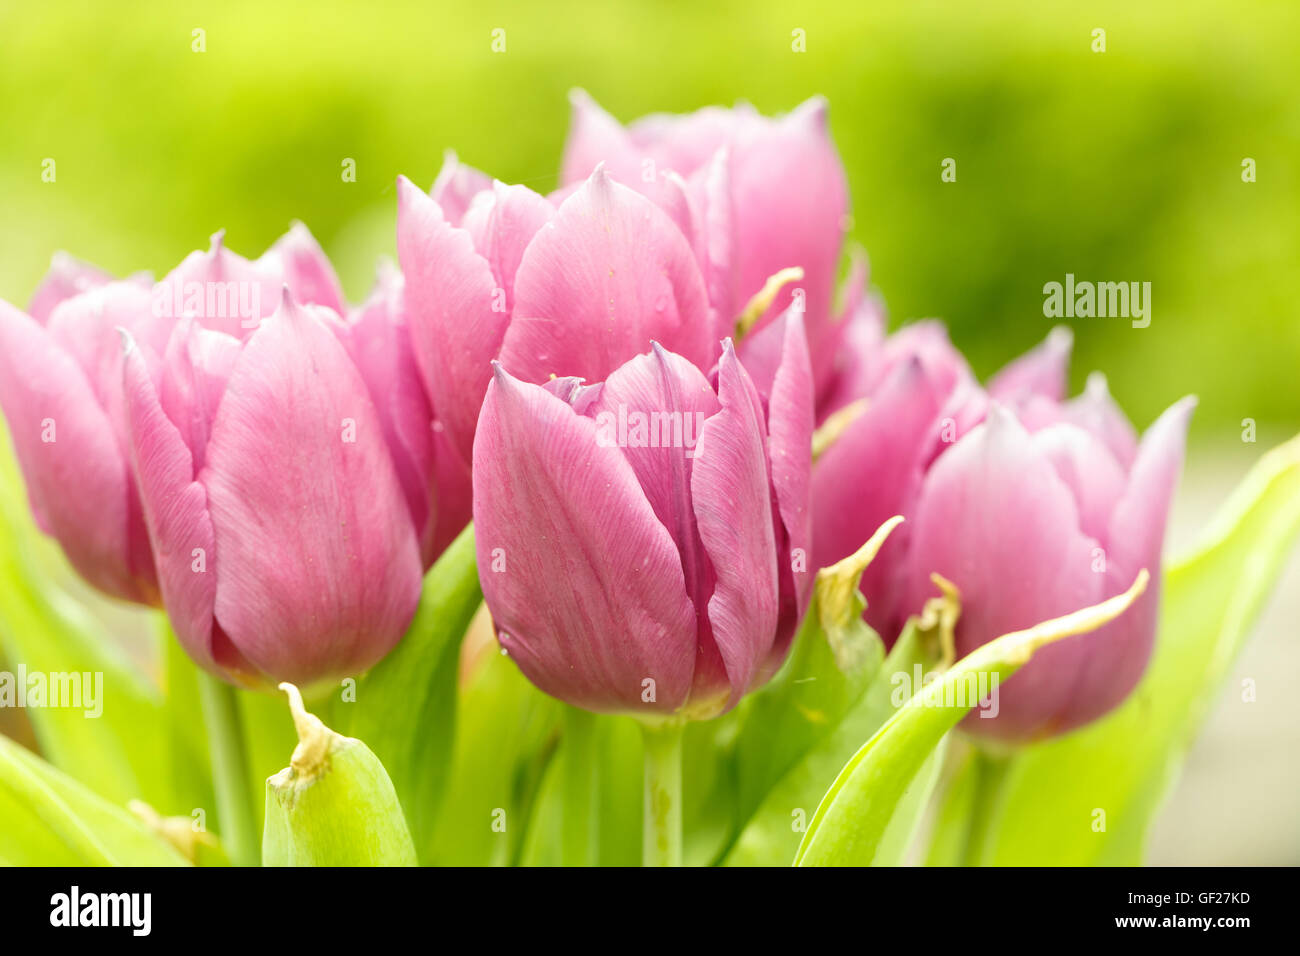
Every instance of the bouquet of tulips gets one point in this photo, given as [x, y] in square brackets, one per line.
[612, 528]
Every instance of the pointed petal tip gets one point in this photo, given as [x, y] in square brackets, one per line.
[815, 110]
[1000, 416]
[1061, 338]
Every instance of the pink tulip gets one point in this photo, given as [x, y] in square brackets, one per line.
[641, 541]
[574, 289]
[1032, 524]
[283, 539]
[61, 387]
[1032, 506]
[758, 195]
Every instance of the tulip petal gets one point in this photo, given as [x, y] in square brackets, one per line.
[502, 226]
[223, 290]
[1118, 655]
[790, 428]
[994, 518]
[66, 277]
[85, 326]
[76, 473]
[799, 222]
[585, 585]
[379, 344]
[298, 258]
[595, 137]
[731, 491]
[610, 274]
[1096, 412]
[1090, 471]
[710, 188]
[180, 528]
[455, 330]
[456, 186]
[1042, 370]
[662, 402]
[320, 568]
[869, 474]
[454, 491]
[654, 408]
[196, 366]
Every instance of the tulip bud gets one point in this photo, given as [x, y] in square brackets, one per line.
[284, 545]
[61, 388]
[1032, 507]
[639, 541]
[1033, 524]
[573, 289]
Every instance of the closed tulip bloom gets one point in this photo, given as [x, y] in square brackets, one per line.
[61, 388]
[630, 573]
[769, 193]
[1038, 517]
[574, 289]
[284, 544]
[1032, 506]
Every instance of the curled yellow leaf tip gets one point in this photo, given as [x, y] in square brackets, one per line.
[838, 602]
[939, 616]
[763, 298]
[314, 738]
[843, 575]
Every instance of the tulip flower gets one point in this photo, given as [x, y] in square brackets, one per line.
[768, 194]
[1031, 506]
[283, 541]
[640, 541]
[1032, 522]
[60, 386]
[570, 290]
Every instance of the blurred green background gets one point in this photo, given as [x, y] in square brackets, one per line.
[1123, 165]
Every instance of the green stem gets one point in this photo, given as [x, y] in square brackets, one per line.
[579, 842]
[990, 772]
[661, 821]
[229, 771]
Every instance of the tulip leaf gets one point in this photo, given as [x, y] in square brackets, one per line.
[772, 834]
[831, 696]
[405, 707]
[507, 734]
[334, 805]
[52, 820]
[1089, 797]
[615, 757]
[950, 835]
[122, 753]
[853, 825]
